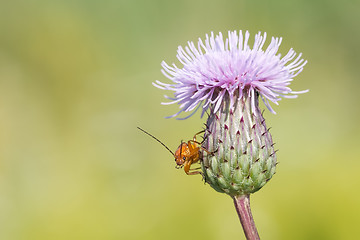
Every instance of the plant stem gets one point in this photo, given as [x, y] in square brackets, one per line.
[242, 205]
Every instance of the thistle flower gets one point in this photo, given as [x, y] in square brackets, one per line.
[219, 69]
[225, 78]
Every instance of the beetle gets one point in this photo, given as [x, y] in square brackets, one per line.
[186, 154]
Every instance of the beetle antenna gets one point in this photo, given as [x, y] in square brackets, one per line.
[157, 140]
[181, 147]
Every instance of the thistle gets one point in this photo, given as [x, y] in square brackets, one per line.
[226, 79]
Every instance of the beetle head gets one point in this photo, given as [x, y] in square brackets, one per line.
[180, 156]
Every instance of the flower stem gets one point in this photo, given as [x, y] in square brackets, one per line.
[242, 205]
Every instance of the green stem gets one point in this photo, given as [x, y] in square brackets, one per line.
[242, 205]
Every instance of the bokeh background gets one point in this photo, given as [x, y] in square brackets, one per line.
[75, 82]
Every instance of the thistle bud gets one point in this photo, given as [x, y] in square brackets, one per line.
[240, 157]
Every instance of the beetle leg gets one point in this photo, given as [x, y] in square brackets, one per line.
[211, 153]
[193, 141]
[194, 138]
[202, 147]
[196, 168]
[194, 173]
[204, 137]
[191, 148]
[187, 169]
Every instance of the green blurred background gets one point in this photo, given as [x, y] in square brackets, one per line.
[75, 81]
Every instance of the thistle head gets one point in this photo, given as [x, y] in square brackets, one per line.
[226, 78]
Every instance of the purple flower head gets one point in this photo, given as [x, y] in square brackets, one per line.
[218, 69]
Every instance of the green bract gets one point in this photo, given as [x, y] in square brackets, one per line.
[241, 156]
